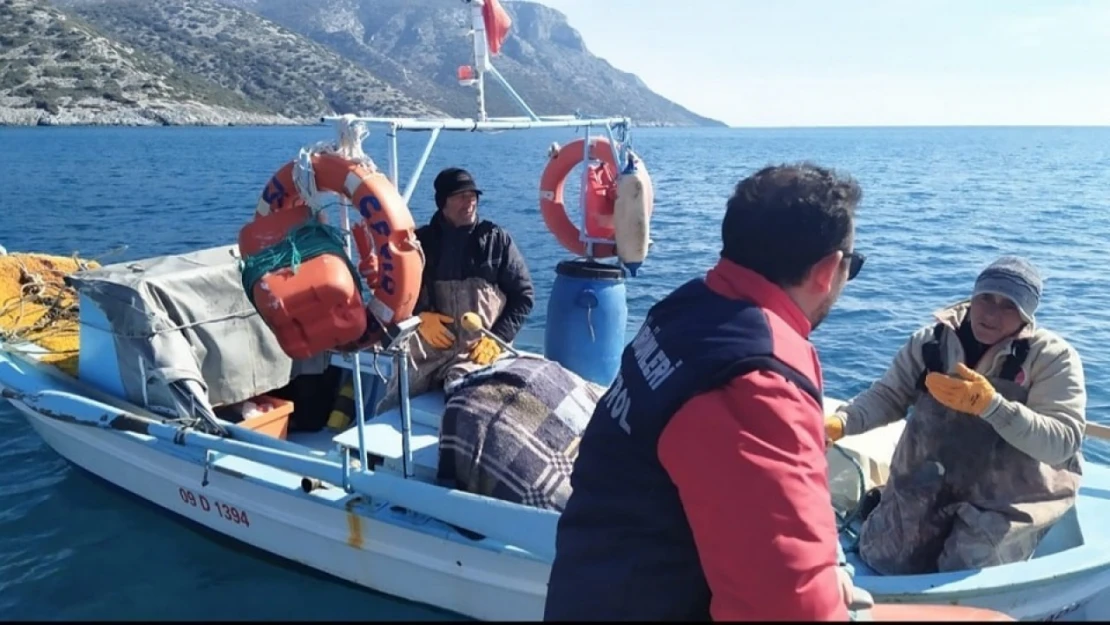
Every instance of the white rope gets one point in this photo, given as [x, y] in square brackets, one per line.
[349, 146]
[304, 178]
[351, 135]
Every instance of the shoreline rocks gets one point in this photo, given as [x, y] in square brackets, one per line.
[162, 114]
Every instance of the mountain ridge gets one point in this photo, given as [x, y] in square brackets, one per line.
[217, 62]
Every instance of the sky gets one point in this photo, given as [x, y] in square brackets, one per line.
[759, 63]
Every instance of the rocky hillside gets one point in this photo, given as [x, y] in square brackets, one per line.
[242, 52]
[290, 61]
[417, 45]
[57, 70]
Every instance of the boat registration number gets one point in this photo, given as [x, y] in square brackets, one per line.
[225, 511]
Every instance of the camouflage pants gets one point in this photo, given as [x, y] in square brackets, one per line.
[916, 529]
[431, 368]
[960, 497]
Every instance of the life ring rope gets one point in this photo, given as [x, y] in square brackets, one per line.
[304, 180]
[349, 147]
[386, 280]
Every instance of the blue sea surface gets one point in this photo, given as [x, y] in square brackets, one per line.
[939, 204]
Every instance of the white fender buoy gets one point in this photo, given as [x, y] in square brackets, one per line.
[632, 213]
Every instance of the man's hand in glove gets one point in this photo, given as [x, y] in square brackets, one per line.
[433, 330]
[970, 392]
[485, 351]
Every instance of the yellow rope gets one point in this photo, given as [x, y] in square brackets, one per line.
[37, 306]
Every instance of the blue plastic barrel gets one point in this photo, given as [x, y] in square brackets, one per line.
[586, 316]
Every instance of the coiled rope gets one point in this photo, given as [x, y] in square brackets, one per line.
[307, 241]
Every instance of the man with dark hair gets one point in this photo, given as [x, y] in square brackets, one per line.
[701, 486]
[991, 458]
[469, 265]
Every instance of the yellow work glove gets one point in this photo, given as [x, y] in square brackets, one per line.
[485, 351]
[970, 392]
[834, 429]
[433, 331]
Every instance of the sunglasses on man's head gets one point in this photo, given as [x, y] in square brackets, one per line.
[855, 263]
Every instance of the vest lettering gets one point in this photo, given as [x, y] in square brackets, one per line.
[653, 362]
[618, 402]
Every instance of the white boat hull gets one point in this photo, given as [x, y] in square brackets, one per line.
[380, 556]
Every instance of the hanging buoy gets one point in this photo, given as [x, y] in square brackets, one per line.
[632, 213]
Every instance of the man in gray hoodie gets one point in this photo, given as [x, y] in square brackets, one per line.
[991, 456]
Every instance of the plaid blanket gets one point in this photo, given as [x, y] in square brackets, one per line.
[511, 431]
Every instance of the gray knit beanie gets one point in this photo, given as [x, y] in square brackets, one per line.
[1013, 278]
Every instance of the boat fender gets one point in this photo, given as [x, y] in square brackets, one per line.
[632, 213]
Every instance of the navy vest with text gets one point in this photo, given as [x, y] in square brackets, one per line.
[624, 549]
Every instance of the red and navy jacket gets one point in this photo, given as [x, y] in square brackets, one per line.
[701, 487]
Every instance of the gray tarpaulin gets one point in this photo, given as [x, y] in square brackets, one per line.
[189, 321]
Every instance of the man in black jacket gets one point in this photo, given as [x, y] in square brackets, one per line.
[470, 265]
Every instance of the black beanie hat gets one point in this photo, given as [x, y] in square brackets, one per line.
[451, 181]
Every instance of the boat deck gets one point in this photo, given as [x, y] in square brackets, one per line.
[383, 438]
[382, 434]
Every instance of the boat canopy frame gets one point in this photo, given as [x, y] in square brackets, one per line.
[397, 350]
[482, 67]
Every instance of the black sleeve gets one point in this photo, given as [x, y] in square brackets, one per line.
[424, 296]
[516, 283]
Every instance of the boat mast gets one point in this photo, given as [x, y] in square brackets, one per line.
[486, 14]
[480, 55]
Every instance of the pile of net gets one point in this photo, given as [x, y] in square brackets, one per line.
[37, 306]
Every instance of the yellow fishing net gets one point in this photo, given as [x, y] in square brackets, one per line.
[37, 306]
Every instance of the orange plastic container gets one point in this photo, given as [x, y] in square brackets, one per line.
[274, 420]
[318, 307]
[313, 310]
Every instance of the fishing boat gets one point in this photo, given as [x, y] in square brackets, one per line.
[170, 347]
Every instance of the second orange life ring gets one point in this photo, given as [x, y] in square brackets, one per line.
[320, 306]
[600, 196]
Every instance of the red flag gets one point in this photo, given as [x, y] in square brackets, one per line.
[497, 23]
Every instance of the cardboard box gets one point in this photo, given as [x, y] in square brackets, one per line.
[274, 420]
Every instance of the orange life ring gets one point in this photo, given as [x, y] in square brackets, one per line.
[600, 196]
[390, 260]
